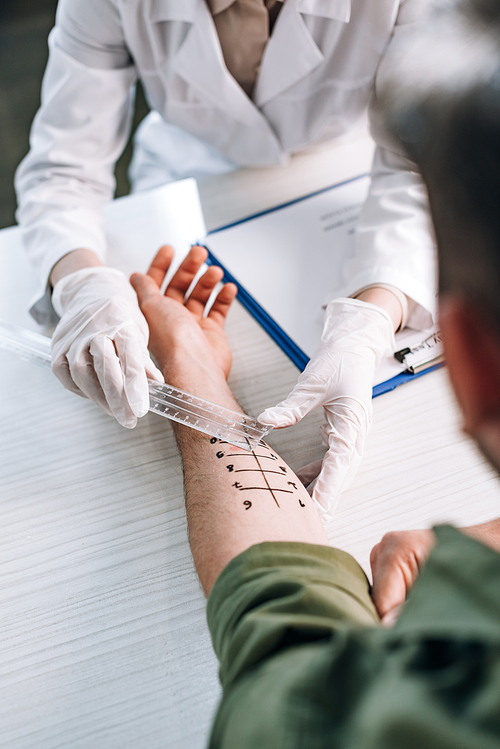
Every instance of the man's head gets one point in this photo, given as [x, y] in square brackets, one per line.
[448, 118]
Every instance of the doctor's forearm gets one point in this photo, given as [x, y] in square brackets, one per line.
[384, 298]
[73, 261]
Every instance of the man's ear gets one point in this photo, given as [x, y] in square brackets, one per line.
[472, 350]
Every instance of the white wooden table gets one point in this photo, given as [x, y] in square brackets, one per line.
[103, 642]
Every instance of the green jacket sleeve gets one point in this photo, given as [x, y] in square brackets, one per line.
[275, 595]
[303, 667]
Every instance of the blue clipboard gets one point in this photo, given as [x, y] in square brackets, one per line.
[288, 346]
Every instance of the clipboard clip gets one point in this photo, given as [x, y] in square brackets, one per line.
[422, 356]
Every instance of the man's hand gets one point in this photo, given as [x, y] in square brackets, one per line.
[181, 337]
[396, 562]
[339, 377]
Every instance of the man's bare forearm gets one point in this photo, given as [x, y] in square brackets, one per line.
[487, 533]
[236, 498]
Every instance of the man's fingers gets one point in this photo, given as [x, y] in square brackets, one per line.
[389, 619]
[389, 581]
[144, 286]
[161, 263]
[147, 285]
[396, 562]
[184, 275]
[204, 287]
[223, 302]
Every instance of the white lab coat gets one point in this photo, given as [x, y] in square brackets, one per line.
[315, 82]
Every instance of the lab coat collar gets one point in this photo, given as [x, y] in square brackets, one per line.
[291, 53]
[185, 10]
[337, 10]
[174, 10]
[200, 63]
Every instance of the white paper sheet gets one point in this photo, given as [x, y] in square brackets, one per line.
[291, 261]
[138, 225]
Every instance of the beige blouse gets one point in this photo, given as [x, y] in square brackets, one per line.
[244, 26]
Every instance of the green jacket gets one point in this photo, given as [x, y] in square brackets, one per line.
[303, 662]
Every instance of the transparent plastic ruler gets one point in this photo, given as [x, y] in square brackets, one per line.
[207, 417]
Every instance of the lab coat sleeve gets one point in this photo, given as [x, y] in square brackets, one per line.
[394, 238]
[77, 135]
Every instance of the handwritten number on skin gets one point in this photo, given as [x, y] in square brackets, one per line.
[230, 467]
[247, 504]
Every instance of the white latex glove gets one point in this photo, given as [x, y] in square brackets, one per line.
[100, 346]
[339, 377]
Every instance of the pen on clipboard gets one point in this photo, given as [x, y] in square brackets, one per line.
[423, 356]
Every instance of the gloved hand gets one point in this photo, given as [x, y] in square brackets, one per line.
[99, 347]
[339, 377]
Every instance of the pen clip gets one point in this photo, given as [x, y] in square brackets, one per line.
[424, 355]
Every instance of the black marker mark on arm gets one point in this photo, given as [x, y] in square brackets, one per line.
[265, 478]
[258, 459]
[263, 489]
[255, 470]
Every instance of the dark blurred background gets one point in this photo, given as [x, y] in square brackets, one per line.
[24, 27]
